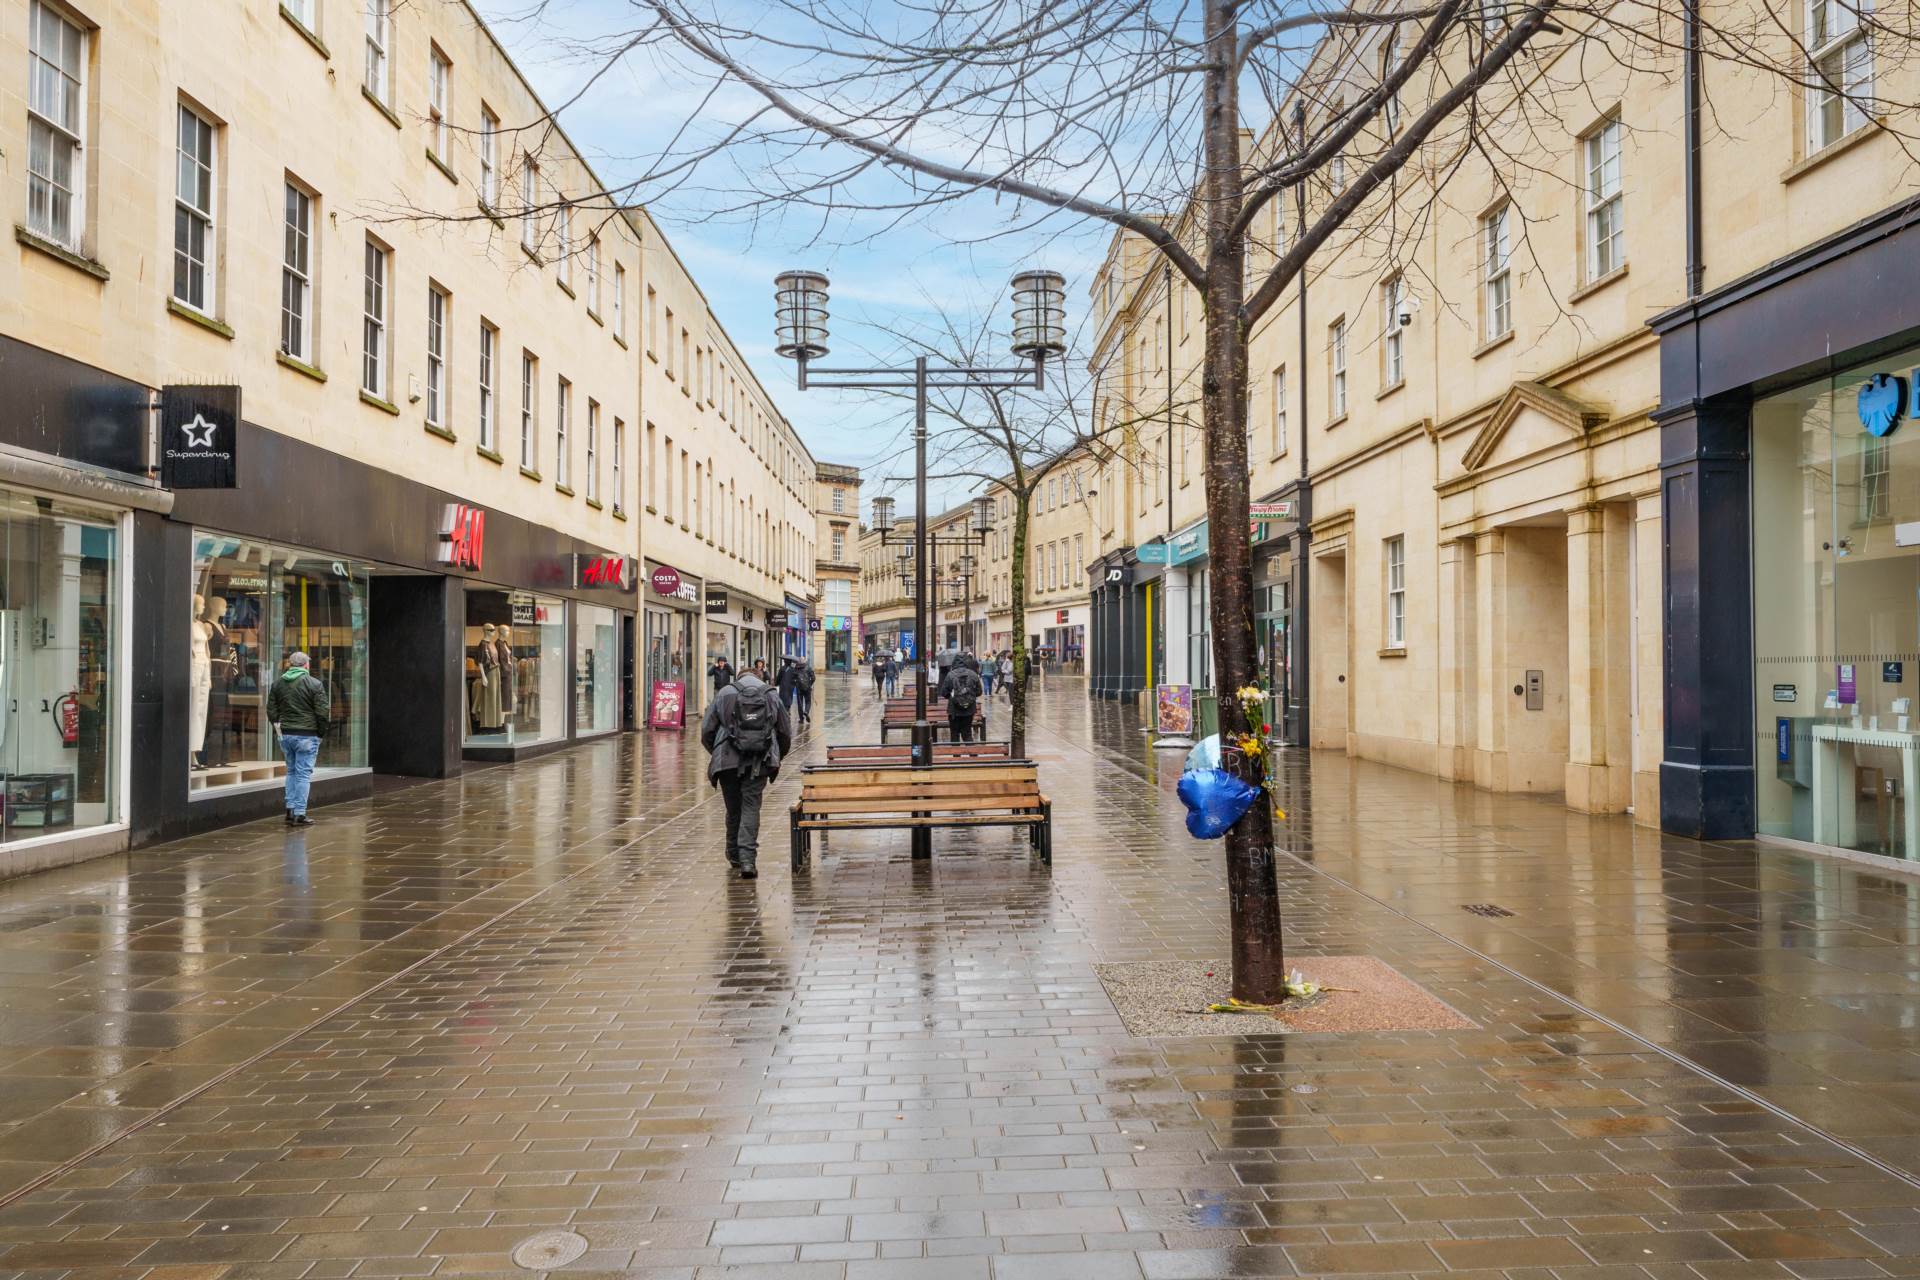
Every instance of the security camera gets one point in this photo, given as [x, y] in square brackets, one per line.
[1409, 308]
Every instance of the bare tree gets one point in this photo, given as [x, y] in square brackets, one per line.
[1182, 124]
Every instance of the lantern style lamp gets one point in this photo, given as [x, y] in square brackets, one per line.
[982, 514]
[800, 314]
[883, 516]
[965, 565]
[1039, 314]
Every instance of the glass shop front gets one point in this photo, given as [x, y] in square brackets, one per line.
[516, 668]
[1836, 541]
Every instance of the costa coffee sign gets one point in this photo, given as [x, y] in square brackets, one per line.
[668, 582]
[463, 536]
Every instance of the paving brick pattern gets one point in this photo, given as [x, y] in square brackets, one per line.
[890, 1069]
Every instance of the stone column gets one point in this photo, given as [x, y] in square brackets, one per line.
[1587, 786]
[1458, 676]
[1491, 697]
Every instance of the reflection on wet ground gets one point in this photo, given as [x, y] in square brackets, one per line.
[457, 1015]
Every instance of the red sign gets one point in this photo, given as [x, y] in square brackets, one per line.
[463, 532]
[604, 571]
[669, 704]
[1060, 615]
[666, 581]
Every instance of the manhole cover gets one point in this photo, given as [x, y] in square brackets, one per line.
[1487, 909]
[1305, 1088]
[548, 1250]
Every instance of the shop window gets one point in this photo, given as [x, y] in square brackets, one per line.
[1875, 472]
[516, 668]
[58, 642]
[253, 603]
[1841, 72]
[596, 670]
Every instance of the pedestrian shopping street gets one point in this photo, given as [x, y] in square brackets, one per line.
[458, 1016]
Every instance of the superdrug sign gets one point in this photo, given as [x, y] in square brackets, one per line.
[199, 430]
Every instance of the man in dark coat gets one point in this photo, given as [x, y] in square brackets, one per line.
[737, 768]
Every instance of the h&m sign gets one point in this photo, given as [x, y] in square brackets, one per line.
[612, 572]
[463, 536]
[199, 436]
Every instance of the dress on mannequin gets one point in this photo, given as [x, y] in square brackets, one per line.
[200, 665]
[486, 687]
[503, 644]
[219, 747]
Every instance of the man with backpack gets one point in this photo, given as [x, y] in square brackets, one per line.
[962, 688]
[803, 691]
[745, 732]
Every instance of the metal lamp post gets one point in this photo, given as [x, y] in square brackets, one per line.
[1039, 331]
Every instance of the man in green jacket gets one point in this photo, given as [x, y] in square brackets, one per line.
[298, 706]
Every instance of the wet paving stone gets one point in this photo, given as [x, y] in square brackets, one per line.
[462, 1015]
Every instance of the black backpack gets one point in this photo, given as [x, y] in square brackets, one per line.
[964, 694]
[750, 722]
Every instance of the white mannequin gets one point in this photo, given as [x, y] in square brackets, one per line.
[200, 667]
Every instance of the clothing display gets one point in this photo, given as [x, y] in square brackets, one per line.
[200, 678]
[489, 712]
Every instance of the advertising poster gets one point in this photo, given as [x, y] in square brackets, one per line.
[1175, 711]
[669, 705]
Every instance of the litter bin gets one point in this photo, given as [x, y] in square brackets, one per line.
[1206, 714]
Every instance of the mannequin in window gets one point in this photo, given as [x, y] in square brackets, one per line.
[221, 667]
[200, 679]
[509, 675]
[486, 686]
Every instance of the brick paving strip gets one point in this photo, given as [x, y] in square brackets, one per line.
[886, 1069]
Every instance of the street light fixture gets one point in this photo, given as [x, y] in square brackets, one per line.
[1039, 332]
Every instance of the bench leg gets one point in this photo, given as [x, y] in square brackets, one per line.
[1046, 834]
[797, 841]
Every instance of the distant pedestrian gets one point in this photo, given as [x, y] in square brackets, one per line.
[1006, 673]
[298, 707]
[720, 672]
[893, 677]
[745, 732]
[879, 665]
[787, 682]
[988, 670]
[803, 692]
[760, 669]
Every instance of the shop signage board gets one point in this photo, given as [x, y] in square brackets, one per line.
[669, 705]
[607, 571]
[813, 624]
[717, 601]
[463, 536]
[1786, 693]
[776, 619]
[1892, 672]
[1173, 714]
[1189, 544]
[668, 582]
[199, 437]
[837, 623]
[1060, 615]
[1152, 553]
[1849, 689]
[1884, 400]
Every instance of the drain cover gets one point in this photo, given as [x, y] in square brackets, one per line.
[1487, 909]
[548, 1250]
[1305, 1088]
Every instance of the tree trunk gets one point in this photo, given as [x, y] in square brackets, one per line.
[1259, 963]
[1017, 713]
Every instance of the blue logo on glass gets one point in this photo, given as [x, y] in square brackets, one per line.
[1882, 399]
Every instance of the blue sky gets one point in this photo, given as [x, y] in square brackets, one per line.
[887, 274]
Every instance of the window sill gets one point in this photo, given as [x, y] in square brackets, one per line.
[384, 406]
[651, 356]
[1398, 651]
[1492, 344]
[622, 341]
[619, 514]
[1808, 164]
[207, 322]
[652, 510]
[565, 287]
[306, 33]
[489, 455]
[596, 504]
[563, 490]
[393, 117]
[488, 212]
[77, 261]
[595, 317]
[1384, 392]
[1334, 422]
[1595, 285]
[446, 170]
[300, 366]
[434, 429]
[532, 254]
[529, 473]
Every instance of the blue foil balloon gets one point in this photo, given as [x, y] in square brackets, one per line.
[1205, 754]
[1215, 800]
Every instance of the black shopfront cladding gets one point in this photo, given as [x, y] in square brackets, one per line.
[1832, 307]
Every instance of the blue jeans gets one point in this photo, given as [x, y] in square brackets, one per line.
[301, 750]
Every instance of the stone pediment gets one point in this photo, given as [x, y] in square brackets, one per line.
[1530, 417]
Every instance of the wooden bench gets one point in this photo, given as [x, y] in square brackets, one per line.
[840, 798]
[899, 715]
[902, 753]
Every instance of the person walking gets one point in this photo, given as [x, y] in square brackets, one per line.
[961, 690]
[803, 691]
[746, 733]
[720, 672]
[1006, 673]
[879, 665]
[787, 682]
[893, 677]
[988, 670]
[299, 707]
